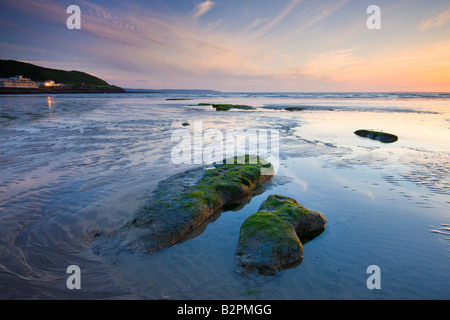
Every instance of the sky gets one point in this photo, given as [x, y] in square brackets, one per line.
[238, 45]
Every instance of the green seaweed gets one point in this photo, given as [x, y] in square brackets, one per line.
[225, 183]
[276, 216]
[251, 292]
[228, 181]
[227, 107]
[277, 233]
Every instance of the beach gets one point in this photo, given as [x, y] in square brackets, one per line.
[75, 168]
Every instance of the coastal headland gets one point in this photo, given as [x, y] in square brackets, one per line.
[18, 77]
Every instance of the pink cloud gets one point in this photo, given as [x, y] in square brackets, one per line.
[203, 8]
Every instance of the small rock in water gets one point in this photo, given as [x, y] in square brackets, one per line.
[375, 135]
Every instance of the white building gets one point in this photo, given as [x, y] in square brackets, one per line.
[18, 82]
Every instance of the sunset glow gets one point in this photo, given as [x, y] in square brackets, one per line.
[288, 45]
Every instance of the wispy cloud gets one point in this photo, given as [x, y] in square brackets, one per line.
[312, 16]
[257, 22]
[282, 15]
[203, 8]
[23, 48]
[437, 21]
[331, 62]
[300, 17]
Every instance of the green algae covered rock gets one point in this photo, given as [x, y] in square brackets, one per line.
[183, 202]
[269, 240]
[375, 135]
[227, 107]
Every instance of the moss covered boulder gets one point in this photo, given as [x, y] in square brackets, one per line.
[270, 240]
[376, 135]
[185, 201]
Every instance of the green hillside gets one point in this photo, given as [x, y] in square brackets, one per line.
[11, 68]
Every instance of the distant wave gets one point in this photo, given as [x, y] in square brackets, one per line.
[350, 108]
[345, 95]
[294, 95]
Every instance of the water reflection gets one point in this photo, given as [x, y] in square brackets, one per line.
[51, 103]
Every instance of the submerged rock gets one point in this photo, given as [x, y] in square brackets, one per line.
[294, 109]
[375, 135]
[227, 107]
[183, 202]
[269, 240]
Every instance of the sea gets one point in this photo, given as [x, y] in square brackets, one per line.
[75, 169]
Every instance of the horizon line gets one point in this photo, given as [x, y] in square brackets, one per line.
[220, 91]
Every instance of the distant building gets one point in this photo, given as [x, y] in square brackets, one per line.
[18, 82]
[51, 83]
